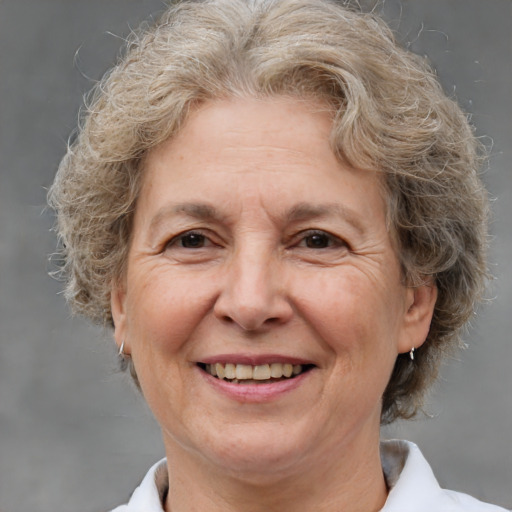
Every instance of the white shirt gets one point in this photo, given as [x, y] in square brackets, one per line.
[413, 487]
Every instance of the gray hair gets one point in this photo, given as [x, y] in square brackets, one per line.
[389, 114]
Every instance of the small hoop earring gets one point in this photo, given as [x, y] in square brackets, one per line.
[411, 353]
[121, 349]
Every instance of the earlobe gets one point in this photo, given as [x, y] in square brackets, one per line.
[420, 305]
[117, 305]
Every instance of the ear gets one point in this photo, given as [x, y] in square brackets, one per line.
[118, 307]
[419, 308]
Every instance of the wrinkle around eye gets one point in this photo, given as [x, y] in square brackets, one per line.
[190, 240]
[191, 246]
[318, 240]
[332, 251]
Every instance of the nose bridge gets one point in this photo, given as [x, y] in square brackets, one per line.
[253, 295]
[252, 276]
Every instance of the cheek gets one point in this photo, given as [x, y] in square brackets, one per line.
[350, 312]
[164, 311]
[165, 314]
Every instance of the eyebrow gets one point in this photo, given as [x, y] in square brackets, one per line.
[305, 211]
[299, 212]
[200, 211]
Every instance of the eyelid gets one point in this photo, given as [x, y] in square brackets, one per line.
[176, 238]
[336, 240]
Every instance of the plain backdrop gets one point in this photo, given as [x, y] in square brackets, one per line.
[74, 435]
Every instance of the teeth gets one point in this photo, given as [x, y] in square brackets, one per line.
[243, 371]
[287, 370]
[247, 372]
[261, 372]
[230, 371]
[219, 370]
[276, 370]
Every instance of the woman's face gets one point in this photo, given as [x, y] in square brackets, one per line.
[255, 251]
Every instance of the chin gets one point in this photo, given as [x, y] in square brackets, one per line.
[255, 451]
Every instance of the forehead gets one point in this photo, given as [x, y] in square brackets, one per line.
[246, 149]
[250, 123]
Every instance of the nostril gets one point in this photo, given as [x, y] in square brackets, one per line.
[252, 311]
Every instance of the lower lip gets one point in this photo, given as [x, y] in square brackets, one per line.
[253, 393]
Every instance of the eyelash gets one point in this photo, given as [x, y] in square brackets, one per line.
[332, 241]
[182, 237]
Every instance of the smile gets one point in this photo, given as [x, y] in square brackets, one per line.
[255, 374]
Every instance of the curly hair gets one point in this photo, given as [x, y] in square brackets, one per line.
[389, 114]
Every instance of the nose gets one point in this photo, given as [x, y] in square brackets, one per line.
[254, 294]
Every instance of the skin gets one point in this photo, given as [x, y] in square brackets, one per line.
[296, 260]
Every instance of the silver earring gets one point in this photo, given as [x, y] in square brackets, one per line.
[121, 349]
[411, 354]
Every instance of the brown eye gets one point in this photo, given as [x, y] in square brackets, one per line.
[318, 241]
[192, 240]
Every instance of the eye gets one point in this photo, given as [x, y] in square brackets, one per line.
[316, 239]
[193, 246]
[189, 240]
[192, 240]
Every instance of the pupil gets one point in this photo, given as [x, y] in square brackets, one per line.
[317, 241]
[193, 240]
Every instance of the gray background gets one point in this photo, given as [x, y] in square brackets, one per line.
[73, 433]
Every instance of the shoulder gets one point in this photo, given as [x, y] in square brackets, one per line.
[414, 488]
[150, 494]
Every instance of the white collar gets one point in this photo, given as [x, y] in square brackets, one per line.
[151, 493]
[413, 486]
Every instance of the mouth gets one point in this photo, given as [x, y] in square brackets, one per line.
[255, 374]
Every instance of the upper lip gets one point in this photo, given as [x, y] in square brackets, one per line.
[254, 359]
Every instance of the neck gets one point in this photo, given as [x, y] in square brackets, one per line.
[352, 482]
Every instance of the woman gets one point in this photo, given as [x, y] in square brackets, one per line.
[278, 212]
